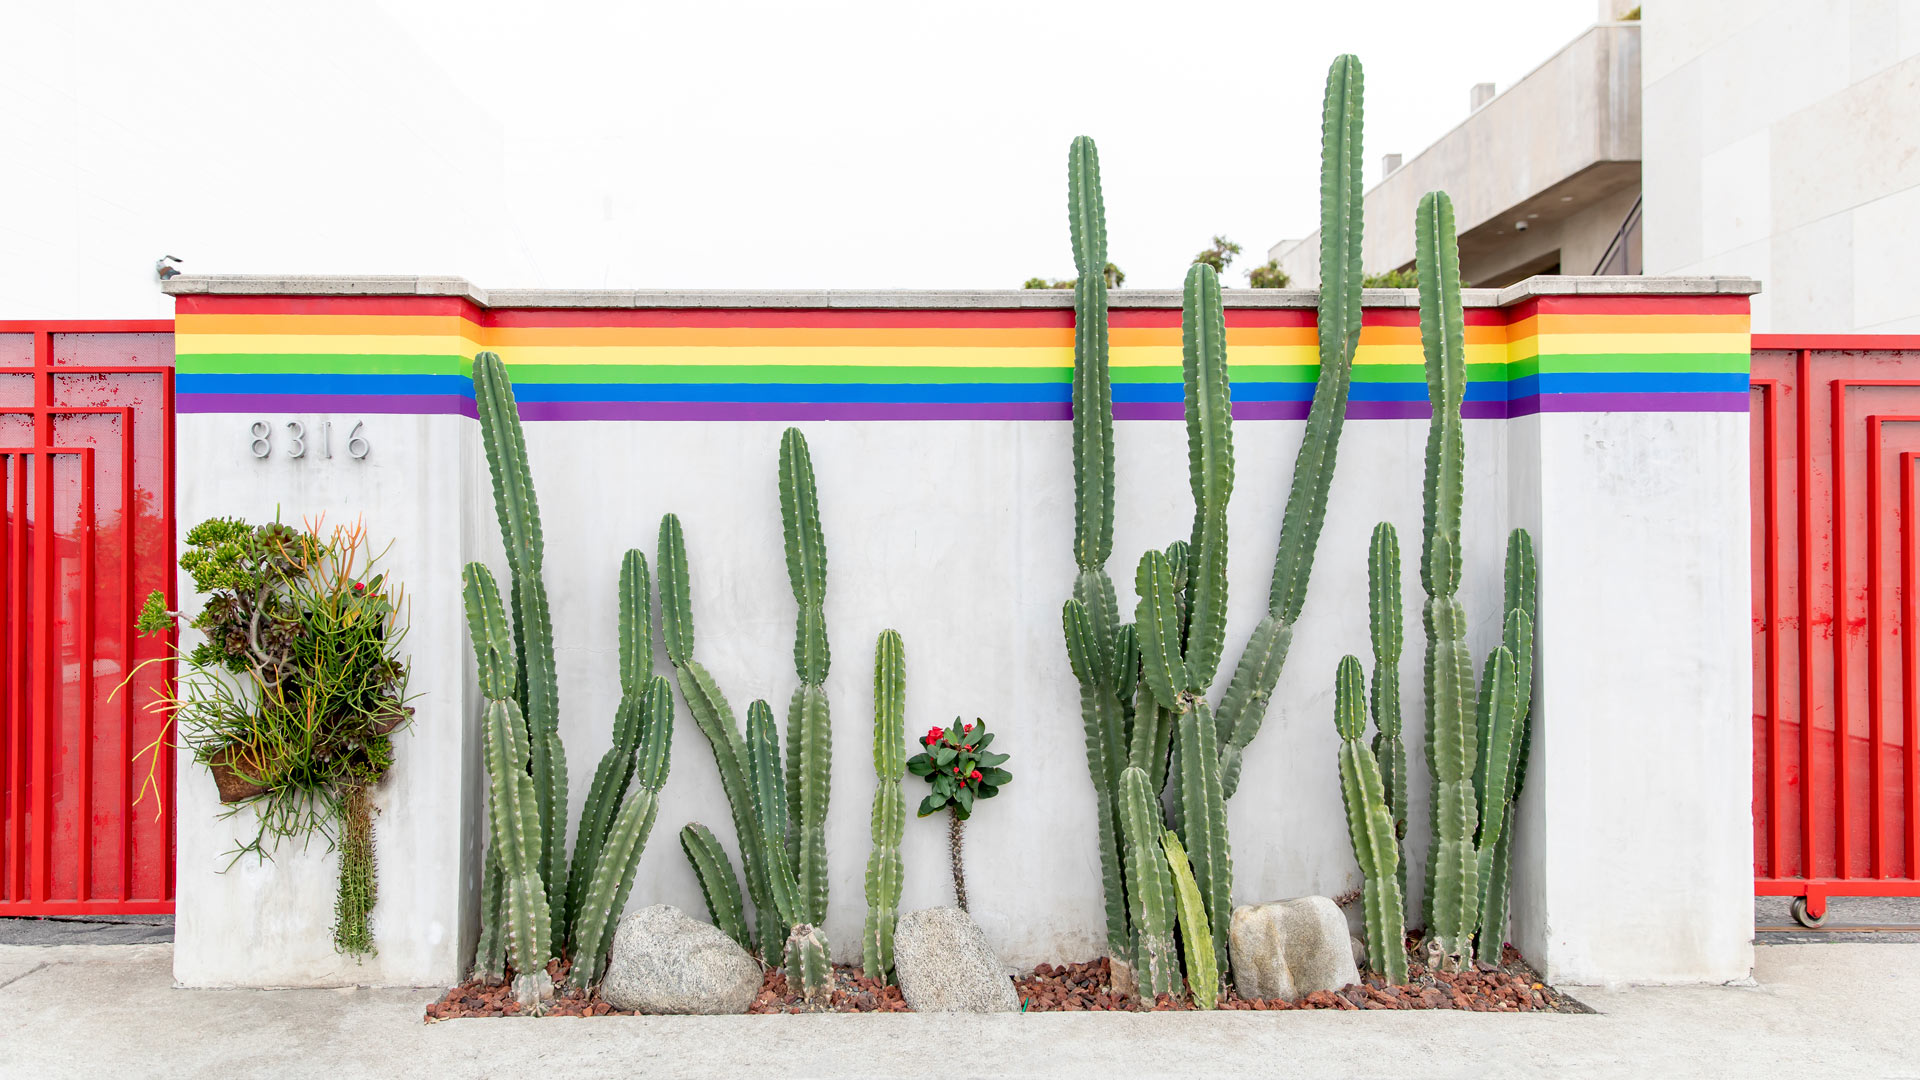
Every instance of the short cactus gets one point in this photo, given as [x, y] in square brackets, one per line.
[1149, 888]
[884, 871]
[1370, 825]
[718, 884]
[1203, 964]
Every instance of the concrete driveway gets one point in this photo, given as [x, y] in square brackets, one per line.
[100, 1011]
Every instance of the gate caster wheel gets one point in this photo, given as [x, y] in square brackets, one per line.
[1804, 918]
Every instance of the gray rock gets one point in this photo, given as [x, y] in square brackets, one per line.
[1291, 948]
[944, 964]
[665, 962]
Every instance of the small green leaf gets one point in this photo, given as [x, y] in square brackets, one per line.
[931, 805]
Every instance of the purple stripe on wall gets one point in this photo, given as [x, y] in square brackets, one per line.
[417, 404]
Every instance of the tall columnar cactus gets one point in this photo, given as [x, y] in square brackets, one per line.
[1500, 789]
[1386, 621]
[519, 513]
[1452, 861]
[1370, 825]
[513, 812]
[809, 725]
[626, 839]
[615, 772]
[718, 883]
[1149, 887]
[1244, 705]
[884, 872]
[715, 719]
[1203, 964]
[804, 951]
[1091, 616]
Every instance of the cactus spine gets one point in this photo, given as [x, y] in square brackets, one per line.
[615, 772]
[519, 512]
[513, 812]
[884, 872]
[1091, 616]
[1386, 621]
[809, 725]
[1452, 862]
[1203, 967]
[718, 884]
[1149, 887]
[1370, 825]
[1499, 788]
[1244, 704]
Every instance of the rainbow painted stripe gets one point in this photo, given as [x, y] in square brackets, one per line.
[243, 354]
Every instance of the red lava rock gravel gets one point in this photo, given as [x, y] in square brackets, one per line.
[1087, 987]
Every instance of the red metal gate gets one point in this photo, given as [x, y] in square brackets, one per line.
[86, 444]
[1836, 698]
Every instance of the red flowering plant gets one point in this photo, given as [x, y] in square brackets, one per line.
[956, 761]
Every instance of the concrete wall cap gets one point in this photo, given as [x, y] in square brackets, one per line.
[942, 299]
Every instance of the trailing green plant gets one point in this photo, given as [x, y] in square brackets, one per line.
[1475, 734]
[1203, 966]
[1244, 704]
[1144, 685]
[535, 906]
[293, 693]
[1370, 826]
[960, 771]
[884, 871]
[780, 821]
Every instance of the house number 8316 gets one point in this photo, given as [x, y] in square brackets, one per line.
[301, 440]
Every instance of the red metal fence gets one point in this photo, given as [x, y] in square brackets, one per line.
[1836, 521]
[86, 444]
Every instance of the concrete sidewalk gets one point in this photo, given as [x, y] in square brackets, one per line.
[111, 1011]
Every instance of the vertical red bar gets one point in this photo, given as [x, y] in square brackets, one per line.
[1803, 382]
[1770, 560]
[1875, 432]
[170, 571]
[10, 475]
[84, 526]
[128, 530]
[1842, 699]
[19, 696]
[1909, 706]
[47, 643]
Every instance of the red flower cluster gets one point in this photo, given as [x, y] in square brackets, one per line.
[933, 735]
[359, 586]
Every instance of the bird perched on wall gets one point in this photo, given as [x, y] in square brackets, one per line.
[164, 271]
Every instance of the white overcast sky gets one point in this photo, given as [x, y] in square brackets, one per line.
[902, 144]
[571, 143]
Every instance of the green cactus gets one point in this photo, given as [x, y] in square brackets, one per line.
[1203, 817]
[615, 772]
[490, 954]
[809, 962]
[809, 725]
[884, 871]
[519, 512]
[1091, 616]
[804, 952]
[1386, 621]
[626, 839]
[1203, 966]
[513, 811]
[1452, 862]
[1244, 704]
[1149, 887]
[1500, 792]
[1370, 825]
[718, 883]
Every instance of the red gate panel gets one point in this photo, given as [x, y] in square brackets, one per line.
[1836, 551]
[86, 445]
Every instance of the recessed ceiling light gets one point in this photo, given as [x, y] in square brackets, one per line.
[1566, 198]
[1533, 215]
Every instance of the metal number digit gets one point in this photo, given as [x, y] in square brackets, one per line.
[262, 444]
[326, 438]
[357, 444]
[299, 430]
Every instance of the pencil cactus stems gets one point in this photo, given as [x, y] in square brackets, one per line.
[809, 724]
[1244, 704]
[1370, 826]
[518, 509]
[616, 767]
[718, 883]
[1386, 623]
[1501, 790]
[1149, 887]
[1203, 965]
[513, 811]
[884, 871]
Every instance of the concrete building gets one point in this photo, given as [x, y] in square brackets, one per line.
[1773, 140]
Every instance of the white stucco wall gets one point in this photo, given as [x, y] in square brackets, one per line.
[270, 924]
[1782, 142]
